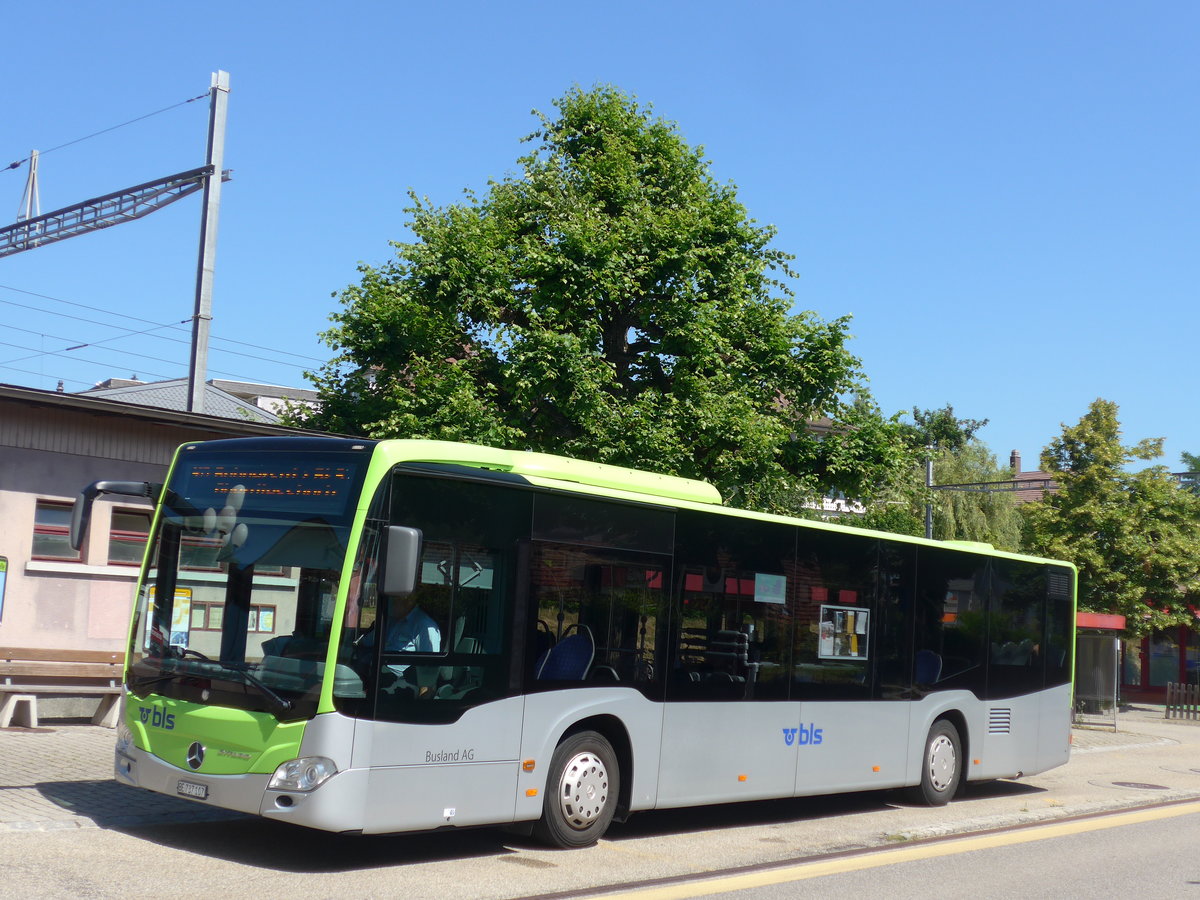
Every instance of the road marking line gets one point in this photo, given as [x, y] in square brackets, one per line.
[880, 858]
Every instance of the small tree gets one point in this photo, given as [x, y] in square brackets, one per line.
[941, 429]
[959, 457]
[1133, 535]
[611, 302]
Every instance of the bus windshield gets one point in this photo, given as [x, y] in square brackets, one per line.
[236, 606]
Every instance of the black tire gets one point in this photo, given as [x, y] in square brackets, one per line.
[581, 792]
[941, 765]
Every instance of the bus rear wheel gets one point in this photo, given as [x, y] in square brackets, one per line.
[581, 792]
[941, 765]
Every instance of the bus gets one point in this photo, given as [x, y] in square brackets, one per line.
[407, 635]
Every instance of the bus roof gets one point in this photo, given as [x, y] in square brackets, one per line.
[554, 468]
[598, 479]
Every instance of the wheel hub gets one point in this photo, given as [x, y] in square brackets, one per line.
[583, 791]
[943, 763]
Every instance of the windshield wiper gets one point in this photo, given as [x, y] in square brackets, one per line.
[206, 667]
[140, 684]
[243, 669]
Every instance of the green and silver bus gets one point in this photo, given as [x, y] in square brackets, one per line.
[403, 635]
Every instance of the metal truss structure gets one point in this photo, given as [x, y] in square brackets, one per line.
[102, 212]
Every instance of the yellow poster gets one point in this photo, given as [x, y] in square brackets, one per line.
[181, 617]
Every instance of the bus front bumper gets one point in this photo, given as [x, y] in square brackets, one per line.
[336, 805]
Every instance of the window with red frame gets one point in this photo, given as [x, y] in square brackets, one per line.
[127, 536]
[51, 532]
[210, 617]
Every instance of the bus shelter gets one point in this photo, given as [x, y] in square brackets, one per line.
[1097, 668]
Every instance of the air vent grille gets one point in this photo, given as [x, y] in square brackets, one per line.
[1058, 583]
[1000, 721]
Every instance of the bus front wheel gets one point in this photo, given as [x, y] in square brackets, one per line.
[581, 792]
[941, 765]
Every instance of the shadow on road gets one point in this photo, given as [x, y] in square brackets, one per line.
[798, 809]
[253, 841]
[111, 804]
[290, 848]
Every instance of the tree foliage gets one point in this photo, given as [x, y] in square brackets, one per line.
[989, 517]
[1133, 535]
[959, 457]
[941, 429]
[960, 515]
[612, 302]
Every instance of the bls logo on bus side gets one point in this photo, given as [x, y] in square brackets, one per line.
[805, 735]
[158, 718]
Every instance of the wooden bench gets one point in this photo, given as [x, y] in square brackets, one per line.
[26, 673]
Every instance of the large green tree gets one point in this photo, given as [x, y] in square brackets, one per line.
[611, 301]
[1135, 536]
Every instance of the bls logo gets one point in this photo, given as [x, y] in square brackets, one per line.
[804, 735]
[158, 718]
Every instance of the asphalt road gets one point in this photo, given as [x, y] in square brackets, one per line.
[1146, 852]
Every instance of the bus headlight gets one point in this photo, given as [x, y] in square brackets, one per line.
[305, 774]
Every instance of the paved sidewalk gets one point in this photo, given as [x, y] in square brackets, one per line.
[60, 776]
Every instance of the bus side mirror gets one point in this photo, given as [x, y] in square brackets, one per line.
[402, 562]
[81, 512]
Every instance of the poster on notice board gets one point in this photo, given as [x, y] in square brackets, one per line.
[843, 632]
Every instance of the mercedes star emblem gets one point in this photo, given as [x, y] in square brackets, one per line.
[195, 755]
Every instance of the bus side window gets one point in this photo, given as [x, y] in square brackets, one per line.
[893, 624]
[732, 624]
[836, 616]
[951, 613]
[1017, 657]
[597, 618]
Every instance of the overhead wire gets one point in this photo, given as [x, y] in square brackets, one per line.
[146, 333]
[62, 354]
[312, 359]
[76, 345]
[86, 384]
[21, 162]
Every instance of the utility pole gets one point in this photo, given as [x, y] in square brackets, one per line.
[974, 487]
[218, 101]
[929, 493]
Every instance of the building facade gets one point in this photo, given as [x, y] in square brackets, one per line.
[52, 445]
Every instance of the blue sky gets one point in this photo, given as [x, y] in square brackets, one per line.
[1003, 196]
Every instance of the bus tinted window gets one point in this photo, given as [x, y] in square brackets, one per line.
[951, 621]
[1060, 625]
[599, 613]
[602, 523]
[445, 647]
[1015, 639]
[731, 631]
[893, 625]
[835, 576]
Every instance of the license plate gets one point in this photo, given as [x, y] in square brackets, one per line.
[188, 789]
